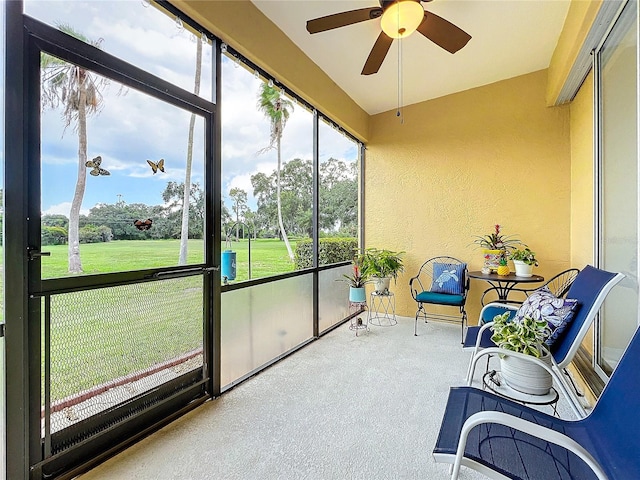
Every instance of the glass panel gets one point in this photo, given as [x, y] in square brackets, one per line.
[333, 297]
[133, 339]
[262, 130]
[262, 322]
[619, 247]
[141, 33]
[114, 166]
[339, 199]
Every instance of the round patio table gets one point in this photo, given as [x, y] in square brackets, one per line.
[502, 285]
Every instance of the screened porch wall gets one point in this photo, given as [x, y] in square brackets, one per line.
[259, 323]
[331, 309]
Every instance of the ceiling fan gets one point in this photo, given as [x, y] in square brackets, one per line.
[400, 18]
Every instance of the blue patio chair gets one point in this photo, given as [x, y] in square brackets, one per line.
[590, 288]
[441, 281]
[503, 439]
[559, 285]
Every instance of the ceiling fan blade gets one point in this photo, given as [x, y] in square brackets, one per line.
[343, 19]
[443, 33]
[377, 54]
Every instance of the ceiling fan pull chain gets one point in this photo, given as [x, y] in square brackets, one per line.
[399, 112]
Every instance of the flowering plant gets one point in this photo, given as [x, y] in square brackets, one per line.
[360, 276]
[497, 240]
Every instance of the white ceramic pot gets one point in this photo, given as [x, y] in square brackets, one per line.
[381, 284]
[523, 269]
[526, 377]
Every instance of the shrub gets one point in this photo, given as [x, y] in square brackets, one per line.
[53, 235]
[330, 250]
[93, 234]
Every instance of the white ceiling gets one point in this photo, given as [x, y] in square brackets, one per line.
[509, 38]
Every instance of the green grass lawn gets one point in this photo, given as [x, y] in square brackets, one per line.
[268, 257]
[99, 335]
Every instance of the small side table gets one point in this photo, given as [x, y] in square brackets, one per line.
[357, 323]
[493, 381]
[383, 309]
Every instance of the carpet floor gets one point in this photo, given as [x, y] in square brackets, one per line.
[343, 407]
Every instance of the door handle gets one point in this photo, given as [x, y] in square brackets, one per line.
[34, 252]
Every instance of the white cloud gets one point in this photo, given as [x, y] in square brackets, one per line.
[63, 209]
[133, 126]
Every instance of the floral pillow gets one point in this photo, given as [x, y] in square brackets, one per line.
[542, 304]
[448, 278]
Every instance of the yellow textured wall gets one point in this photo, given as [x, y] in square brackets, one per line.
[247, 30]
[582, 186]
[462, 163]
[576, 26]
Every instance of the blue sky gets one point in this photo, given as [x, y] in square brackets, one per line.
[133, 127]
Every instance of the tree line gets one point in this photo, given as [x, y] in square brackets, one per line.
[338, 197]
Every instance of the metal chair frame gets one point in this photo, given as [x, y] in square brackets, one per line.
[590, 288]
[425, 277]
[559, 285]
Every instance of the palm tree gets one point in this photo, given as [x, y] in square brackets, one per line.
[184, 232]
[78, 92]
[274, 106]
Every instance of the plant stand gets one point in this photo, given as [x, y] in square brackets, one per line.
[493, 381]
[357, 323]
[383, 309]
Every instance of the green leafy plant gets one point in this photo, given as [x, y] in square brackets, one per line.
[525, 336]
[383, 263]
[524, 255]
[497, 240]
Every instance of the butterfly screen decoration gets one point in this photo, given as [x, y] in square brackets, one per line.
[143, 224]
[156, 166]
[95, 167]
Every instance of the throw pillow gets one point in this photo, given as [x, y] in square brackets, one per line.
[557, 312]
[448, 278]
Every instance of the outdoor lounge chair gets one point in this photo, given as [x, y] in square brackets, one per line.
[559, 285]
[441, 281]
[504, 439]
[590, 288]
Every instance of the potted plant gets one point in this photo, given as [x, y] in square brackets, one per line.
[495, 245]
[359, 277]
[525, 337]
[383, 265]
[524, 260]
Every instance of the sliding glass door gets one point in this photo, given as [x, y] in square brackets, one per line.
[617, 244]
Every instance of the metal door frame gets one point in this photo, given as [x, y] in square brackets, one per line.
[26, 38]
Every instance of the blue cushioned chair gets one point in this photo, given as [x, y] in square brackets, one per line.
[559, 285]
[504, 439]
[590, 287]
[441, 281]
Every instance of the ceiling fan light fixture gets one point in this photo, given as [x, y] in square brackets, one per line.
[402, 18]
